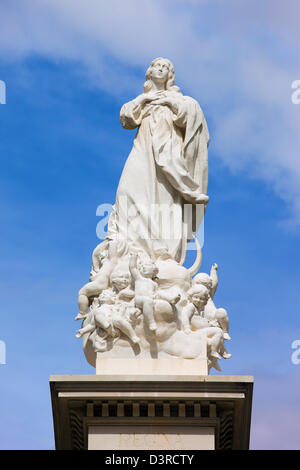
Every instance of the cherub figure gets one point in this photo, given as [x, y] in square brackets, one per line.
[173, 279]
[218, 315]
[100, 278]
[109, 316]
[144, 288]
[121, 282]
[194, 312]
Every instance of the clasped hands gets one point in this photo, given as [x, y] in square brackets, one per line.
[158, 98]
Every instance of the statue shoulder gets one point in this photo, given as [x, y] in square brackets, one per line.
[192, 101]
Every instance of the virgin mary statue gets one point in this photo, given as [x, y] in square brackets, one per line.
[166, 174]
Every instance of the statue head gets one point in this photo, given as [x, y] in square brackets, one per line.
[203, 279]
[107, 296]
[198, 295]
[167, 74]
[148, 269]
[120, 280]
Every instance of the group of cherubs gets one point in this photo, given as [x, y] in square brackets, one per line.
[119, 299]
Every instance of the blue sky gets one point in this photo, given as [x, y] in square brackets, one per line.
[68, 69]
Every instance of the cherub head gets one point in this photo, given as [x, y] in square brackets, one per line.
[120, 280]
[148, 269]
[203, 279]
[107, 296]
[198, 295]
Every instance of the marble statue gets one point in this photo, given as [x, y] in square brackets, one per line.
[141, 301]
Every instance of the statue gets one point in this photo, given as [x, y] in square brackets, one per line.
[167, 167]
[218, 315]
[141, 301]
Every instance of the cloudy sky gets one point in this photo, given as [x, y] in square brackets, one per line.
[68, 67]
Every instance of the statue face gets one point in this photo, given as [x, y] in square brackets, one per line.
[160, 71]
[199, 300]
[148, 270]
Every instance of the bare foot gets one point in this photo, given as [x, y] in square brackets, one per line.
[199, 198]
[202, 199]
[80, 316]
[226, 355]
[215, 355]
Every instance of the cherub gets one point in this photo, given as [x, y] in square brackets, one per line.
[100, 278]
[109, 316]
[219, 315]
[173, 279]
[144, 288]
[121, 283]
[194, 312]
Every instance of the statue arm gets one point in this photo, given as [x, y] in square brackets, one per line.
[113, 250]
[131, 113]
[96, 263]
[214, 279]
[190, 117]
[133, 266]
[173, 102]
[187, 314]
[181, 112]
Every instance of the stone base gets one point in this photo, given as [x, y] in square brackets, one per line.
[147, 366]
[147, 412]
[158, 438]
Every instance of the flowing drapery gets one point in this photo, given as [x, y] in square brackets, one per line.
[167, 168]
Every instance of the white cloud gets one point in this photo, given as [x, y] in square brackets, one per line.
[238, 60]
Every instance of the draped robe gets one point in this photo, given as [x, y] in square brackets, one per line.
[166, 169]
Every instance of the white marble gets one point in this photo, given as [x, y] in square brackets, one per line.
[140, 300]
[164, 366]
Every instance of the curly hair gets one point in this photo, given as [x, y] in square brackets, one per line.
[198, 289]
[171, 76]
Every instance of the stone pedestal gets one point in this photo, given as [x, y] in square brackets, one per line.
[151, 412]
[146, 366]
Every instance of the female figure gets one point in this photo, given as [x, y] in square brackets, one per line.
[167, 166]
